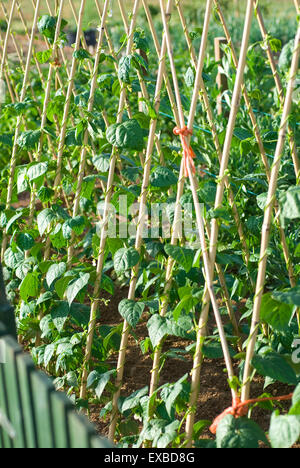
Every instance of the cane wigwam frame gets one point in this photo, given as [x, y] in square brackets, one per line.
[58, 72]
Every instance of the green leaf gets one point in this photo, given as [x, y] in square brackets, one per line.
[242, 134]
[125, 259]
[189, 77]
[60, 314]
[28, 140]
[140, 41]
[12, 220]
[168, 435]
[37, 170]
[127, 135]
[49, 353]
[55, 271]
[132, 401]
[99, 381]
[13, 259]
[61, 285]
[296, 395]
[162, 177]
[262, 200]
[44, 219]
[77, 286]
[239, 433]
[82, 54]
[170, 393]
[44, 56]
[124, 68]
[274, 313]
[45, 194]
[76, 225]
[159, 327]
[273, 365]
[30, 286]
[295, 409]
[183, 256]
[131, 311]
[23, 269]
[45, 297]
[215, 351]
[102, 162]
[25, 241]
[290, 296]
[289, 202]
[284, 431]
[47, 25]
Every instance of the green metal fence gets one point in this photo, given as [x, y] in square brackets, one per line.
[32, 413]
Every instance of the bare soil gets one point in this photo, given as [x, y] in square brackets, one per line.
[214, 396]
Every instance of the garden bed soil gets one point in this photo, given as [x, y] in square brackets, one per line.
[214, 396]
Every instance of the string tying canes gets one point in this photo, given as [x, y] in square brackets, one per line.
[188, 153]
[240, 409]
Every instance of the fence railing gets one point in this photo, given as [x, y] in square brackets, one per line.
[32, 413]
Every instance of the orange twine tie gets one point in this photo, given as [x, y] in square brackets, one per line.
[188, 153]
[240, 409]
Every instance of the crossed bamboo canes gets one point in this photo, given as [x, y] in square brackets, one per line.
[13, 160]
[19, 54]
[231, 198]
[176, 234]
[142, 219]
[109, 189]
[63, 130]
[47, 86]
[45, 107]
[13, 92]
[284, 244]
[5, 45]
[210, 116]
[198, 357]
[266, 230]
[83, 155]
[144, 91]
[279, 88]
[144, 94]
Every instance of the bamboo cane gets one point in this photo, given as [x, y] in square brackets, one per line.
[267, 221]
[204, 96]
[86, 134]
[279, 88]
[176, 234]
[5, 46]
[16, 46]
[65, 119]
[13, 160]
[208, 265]
[45, 106]
[198, 357]
[139, 240]
[283, 240]
[13, 92]
[100, 260]
[158, 52]
[142, 83]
